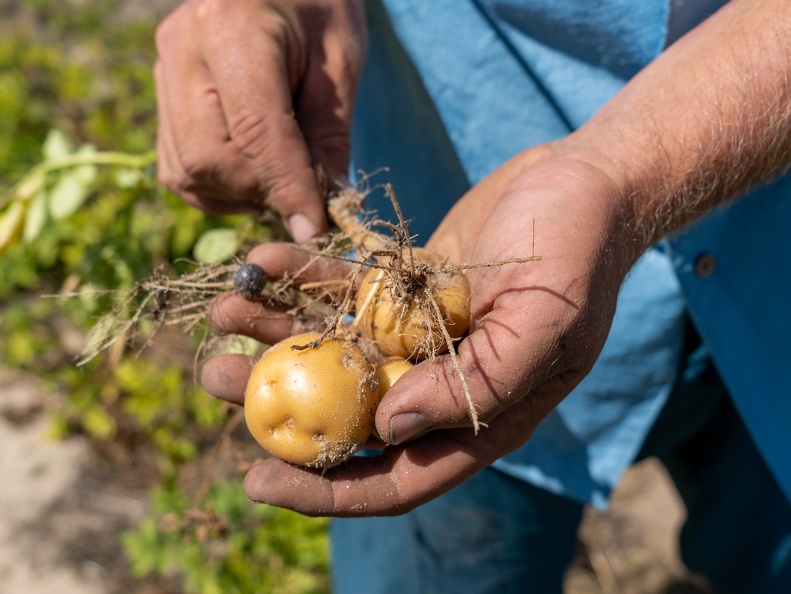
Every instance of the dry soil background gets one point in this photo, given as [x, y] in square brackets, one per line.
[59, 513]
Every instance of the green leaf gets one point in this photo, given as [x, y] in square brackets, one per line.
[72, 187]
[98, 423]
[56, 145]
[30, 185]
[36, 217]
[215, 245]
[243, 345]
[11, 223]
[67, 196]
[127, 178]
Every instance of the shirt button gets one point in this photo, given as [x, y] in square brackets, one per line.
[704, 265]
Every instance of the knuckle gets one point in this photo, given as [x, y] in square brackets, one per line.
[162, 35]
[249, 132]
[198, 165]
[168, 178]
[215, 11]
[212, 10]
[271, 19]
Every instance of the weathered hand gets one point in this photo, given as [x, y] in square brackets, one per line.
[656, 157]
[536, 330]
[253, 95]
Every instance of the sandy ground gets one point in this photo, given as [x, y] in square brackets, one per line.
[633, 547]
[59, 516]
[61, 512]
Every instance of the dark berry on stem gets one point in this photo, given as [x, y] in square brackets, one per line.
[248, 280]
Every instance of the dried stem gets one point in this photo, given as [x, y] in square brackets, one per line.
[476, 424]
[344, 209]
[369, 298]
[402, 226]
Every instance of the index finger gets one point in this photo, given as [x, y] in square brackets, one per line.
[271, 322]
[254, 80]
[226, 376]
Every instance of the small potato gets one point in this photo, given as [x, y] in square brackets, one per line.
[400, 318]
[388, 372]
[313, 407]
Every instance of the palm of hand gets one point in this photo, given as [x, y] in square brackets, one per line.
[536, 331]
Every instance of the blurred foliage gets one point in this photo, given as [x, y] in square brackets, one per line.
[76, 84]
[211, 547]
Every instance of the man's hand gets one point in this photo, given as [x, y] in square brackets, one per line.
[536, 330]
[702, 123]
[253, 96]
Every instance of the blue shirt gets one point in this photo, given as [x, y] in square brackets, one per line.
[453, 88]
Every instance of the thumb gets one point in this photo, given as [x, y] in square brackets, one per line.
[272, 142]
[440, 394]
[491, 373]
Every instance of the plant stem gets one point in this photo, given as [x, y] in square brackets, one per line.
[97, 158]
[33, 179]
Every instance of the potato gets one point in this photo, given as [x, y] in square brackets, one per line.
[388, 372]
[398, 315]
[313, 407]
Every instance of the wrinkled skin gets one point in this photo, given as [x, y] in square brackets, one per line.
[244, 125]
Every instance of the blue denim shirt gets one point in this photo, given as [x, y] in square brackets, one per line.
[453, 88]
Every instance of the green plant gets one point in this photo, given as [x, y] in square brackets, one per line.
[82, 223]
[229, 546]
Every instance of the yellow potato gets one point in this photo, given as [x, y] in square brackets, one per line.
[388, 372]
[313, 407]
[399, 316]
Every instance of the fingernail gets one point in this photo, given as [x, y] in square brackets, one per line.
[405, 426]
[301, 228]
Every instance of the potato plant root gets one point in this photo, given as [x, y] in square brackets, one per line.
[412, 303]
[396, 300]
